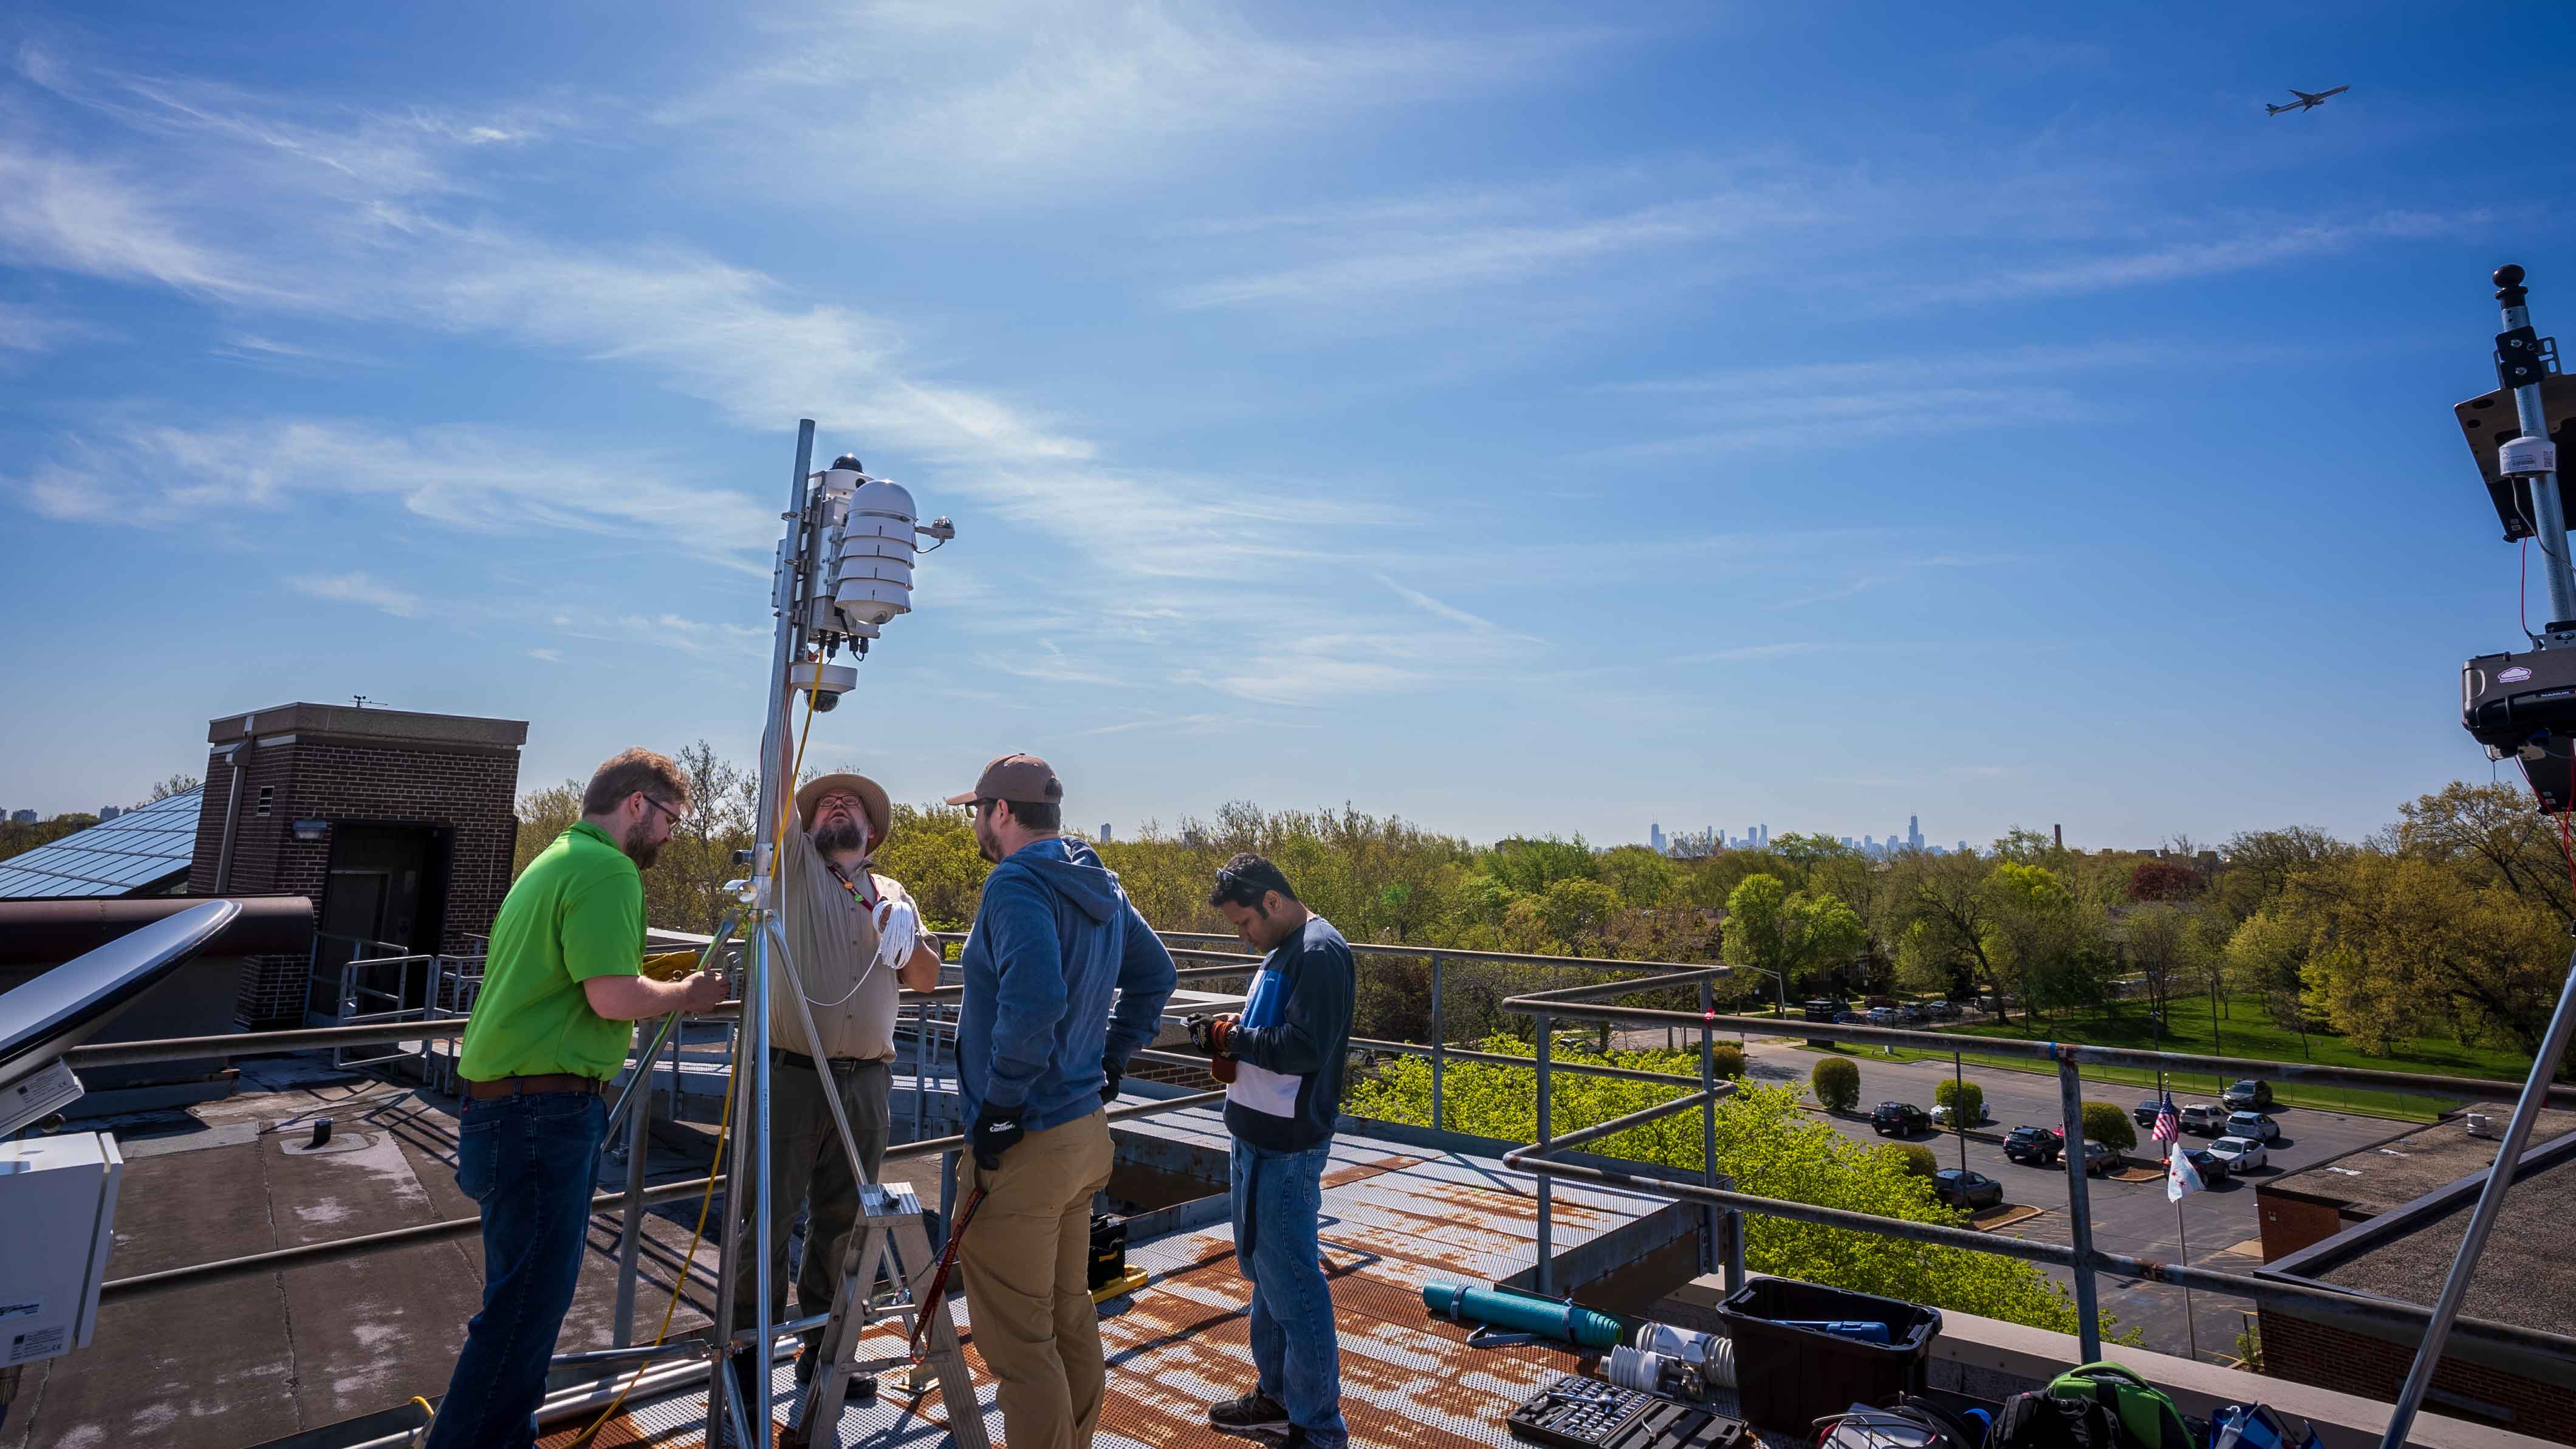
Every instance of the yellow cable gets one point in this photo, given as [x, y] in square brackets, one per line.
[724, 1124]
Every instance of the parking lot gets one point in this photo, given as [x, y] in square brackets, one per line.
[2128, 1217]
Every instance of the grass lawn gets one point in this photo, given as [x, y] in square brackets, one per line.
[2247, 1032]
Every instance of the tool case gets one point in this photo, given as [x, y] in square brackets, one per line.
[1580, 1413]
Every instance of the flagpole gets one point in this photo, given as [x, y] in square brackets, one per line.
[2190, 1322]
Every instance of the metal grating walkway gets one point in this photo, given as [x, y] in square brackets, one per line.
[1393, 1219]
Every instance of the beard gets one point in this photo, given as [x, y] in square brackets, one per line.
[987, 844]
[640, 846]
[839, 836]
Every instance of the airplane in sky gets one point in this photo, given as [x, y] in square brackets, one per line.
[2305, 101]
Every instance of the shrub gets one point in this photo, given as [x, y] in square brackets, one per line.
[1771, 1149]
[2108, 1122]
[1967, 1096]
[1837, 1084]
[1919, 1161]
[1730, 1061]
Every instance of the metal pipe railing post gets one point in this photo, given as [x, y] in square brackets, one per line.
[1710, 1217]
[2079, 1206]
[1439, 1040]
[1546, 1208]
[2473, 1242]
[630, 1230]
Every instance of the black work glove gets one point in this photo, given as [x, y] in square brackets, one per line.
[1209, 1033]
[1109, 1088]
[995, 1129]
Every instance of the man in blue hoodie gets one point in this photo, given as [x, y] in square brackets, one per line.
[1039, 1056]
[1288, 1050]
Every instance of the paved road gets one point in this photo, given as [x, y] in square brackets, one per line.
[2132, 1218]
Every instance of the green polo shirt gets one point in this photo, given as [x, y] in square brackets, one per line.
[576, 912]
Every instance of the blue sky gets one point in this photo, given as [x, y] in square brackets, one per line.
[1520, 418]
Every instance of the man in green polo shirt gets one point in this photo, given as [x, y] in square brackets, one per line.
[550, 1027]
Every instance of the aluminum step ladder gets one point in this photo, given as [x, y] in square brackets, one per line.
[891, 1244]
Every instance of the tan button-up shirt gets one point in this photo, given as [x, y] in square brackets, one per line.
[834, 940]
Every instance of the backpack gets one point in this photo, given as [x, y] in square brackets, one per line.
[2040, 1419]
[2148, 1420]
[2256, 1426]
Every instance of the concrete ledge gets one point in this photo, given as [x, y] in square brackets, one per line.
[1990, 1358]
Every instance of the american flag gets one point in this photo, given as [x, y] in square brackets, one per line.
[2168, 1126]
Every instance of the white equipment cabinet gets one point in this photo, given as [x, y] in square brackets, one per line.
[58, 1197]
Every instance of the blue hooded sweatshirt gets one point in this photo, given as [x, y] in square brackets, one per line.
[1054, 938]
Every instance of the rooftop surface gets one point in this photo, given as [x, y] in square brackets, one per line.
[143, 848]
[228, 1364]
[2525, 1275]
[1393, 1220]
[2377, 1179]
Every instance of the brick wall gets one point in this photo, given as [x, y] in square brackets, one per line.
[2292, 1223]
[470, 791]
[2306, 1351]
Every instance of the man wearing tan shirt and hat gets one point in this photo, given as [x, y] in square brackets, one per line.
[845, 926]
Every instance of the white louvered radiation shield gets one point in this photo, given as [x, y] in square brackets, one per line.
[873, 576]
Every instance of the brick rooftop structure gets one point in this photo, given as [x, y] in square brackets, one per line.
[399, 826]
[2388, 1221]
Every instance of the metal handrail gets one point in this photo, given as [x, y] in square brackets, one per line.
[1579, 1003]
[2081, 1256]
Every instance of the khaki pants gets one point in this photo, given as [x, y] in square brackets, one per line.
[806, 1157]
[1026, 1260]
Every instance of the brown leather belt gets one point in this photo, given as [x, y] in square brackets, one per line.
[840, 1066]
[521, 1086]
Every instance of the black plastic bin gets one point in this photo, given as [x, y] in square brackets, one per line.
[1786, 1378]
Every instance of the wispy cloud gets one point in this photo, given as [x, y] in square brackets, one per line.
[359, 588]
[2185, 260]
[32, 329]
[159, 475]
[1009, 101]
[1408, 255]
[1430, 605]
[1813, 405]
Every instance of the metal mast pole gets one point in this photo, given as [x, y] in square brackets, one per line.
[749, 1178]
[2519, 345]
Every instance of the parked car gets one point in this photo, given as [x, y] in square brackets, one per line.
[2204, 1119]
[1970, 1190]
[1913, 1015]
[2253, 1124]
[2249, 1095]
[2145, 1112]
[2034, 1145]
[2211, 1167]
[1941, 1116]
[1850, 1018]
[1943, 1010]
[2241, 1154]
[2099, 1159]
[1886, 1001]
[1900, 1119]
[1885, 1016]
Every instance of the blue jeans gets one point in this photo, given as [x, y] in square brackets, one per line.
[529, 1162]
[1277, 1199]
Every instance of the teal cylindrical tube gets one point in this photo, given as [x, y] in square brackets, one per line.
[1561, 1321]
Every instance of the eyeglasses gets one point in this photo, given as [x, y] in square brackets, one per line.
[675, 815]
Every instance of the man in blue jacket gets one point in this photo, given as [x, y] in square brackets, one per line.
[1039, 1056]
[1288, 1050]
